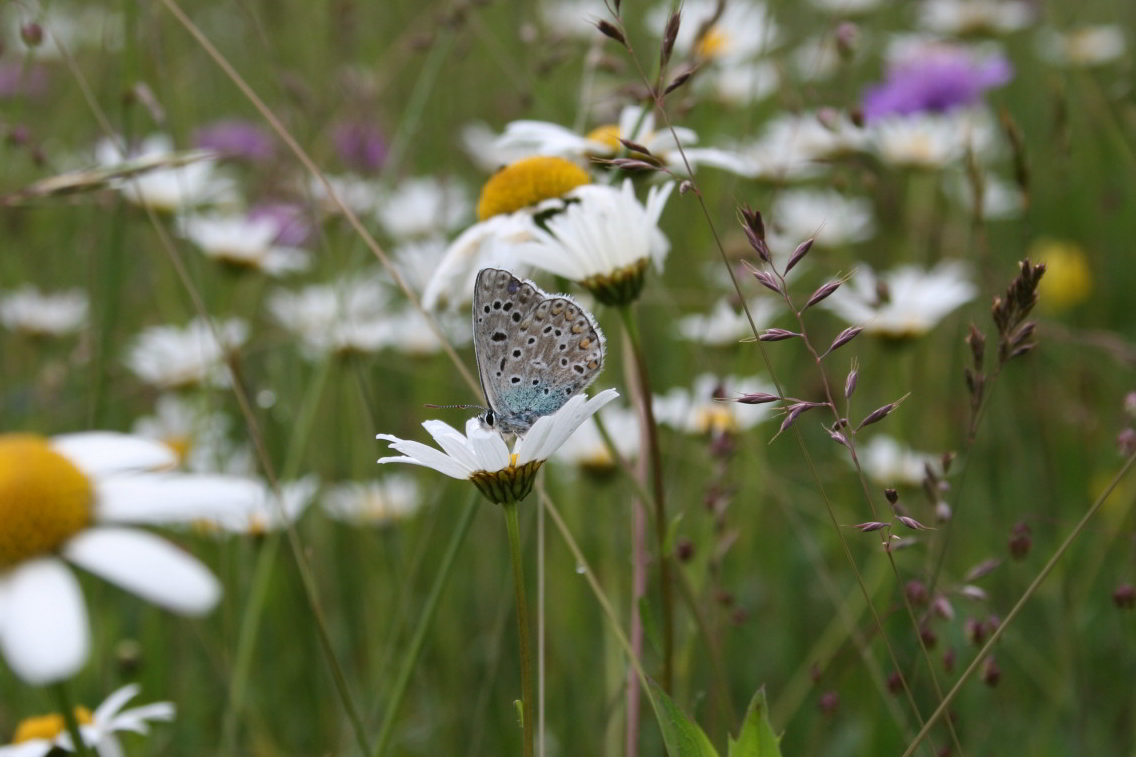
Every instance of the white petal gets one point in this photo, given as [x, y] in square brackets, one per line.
[34, 748]
[115, 702]
[108, 746]
[98, 453]
[418, 453]
[551, 431]
[44, 633]
[173, 497]
[148, 566]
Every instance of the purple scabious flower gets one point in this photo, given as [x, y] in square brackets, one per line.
[360, 145]
[939, 79]
[236, 138]
[294, 226]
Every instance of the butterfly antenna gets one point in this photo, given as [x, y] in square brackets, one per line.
[453, 407]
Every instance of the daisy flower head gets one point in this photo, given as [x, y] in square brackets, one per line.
[975, 18]
[28, 311]
[382, 502]
[198, 434]
[1085, 46]
[706, 407]
[177, 187]
[423, 207]
[244, 242]
[341, 317]
[905, 302]
[726, 325]
[71, 500]
[586, 449]
[931, 141]
[824, 215]
[505, 211]
[71, 26]
[171, 357]
[603, 239]
[482, 456]
[41, 735]
[889, 462]
[711, 32]
[265, 513]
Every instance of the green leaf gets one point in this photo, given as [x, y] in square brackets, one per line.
[672, 535]
[682, 736]
[650, 627]
[756, 737]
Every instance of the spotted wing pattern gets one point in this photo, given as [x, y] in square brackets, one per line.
[534, 350]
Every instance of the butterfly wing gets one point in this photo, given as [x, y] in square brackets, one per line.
[534, 351]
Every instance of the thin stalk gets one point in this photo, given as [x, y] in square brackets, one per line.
[68, 711]
[527, 710]
[410, 659]
[656, 460]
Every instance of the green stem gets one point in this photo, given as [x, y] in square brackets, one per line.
[656, 459]
[67, 710]
[527, 710]
[410, 659]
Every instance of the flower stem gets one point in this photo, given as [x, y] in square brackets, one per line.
[647, 418]
[67, 710]
[410, 659]
[527, 710]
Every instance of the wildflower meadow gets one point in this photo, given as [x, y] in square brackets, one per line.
[750, 378]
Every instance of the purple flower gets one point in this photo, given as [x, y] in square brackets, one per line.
[939, 79]
[235, 138]
[360, 145]
[291, 220]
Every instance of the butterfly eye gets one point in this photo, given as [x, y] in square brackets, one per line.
[490, 419]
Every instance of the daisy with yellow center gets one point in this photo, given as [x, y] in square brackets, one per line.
[700, 409]
[66, 500]
[40, 736]
[508, 202]
[482, 456]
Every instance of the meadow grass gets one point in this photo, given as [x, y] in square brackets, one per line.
[855, 644]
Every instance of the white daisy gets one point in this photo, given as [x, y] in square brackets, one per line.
[964, 18]
[905, 302]
[39, 736]
[423, 207]
[891, 463]
[744, 84]
[198, 434]
[168, 189]
[603, 238]
[265, 513]
[933, 140]
[726, 325]
[373, 503]
[743, 30]
[574, 18]
[697, 411]
[67, 500]
[418, 259]
[358, 194]
[407, 331]
[1001, 200]
[481, 455]
[826, 215]
[1083, 47]
[28, 311]
[244, 241]
[348, 315]
[66, 25]
[169, 357]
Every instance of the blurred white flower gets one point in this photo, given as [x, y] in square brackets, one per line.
[373, 503]
[697, 411]
[574, 18]
[1083, 47]
[73, 26]
[933, 140]
[1001, 200]
[407, 331]
[265, 513]
[743, 30]
[198, 434]
[744, 83]
[348, 315]
[826, 215]
[361, 196]
[726, 325]
[243, 241]
[846, 7]
[888, 462]
[42, 735]
[905, 302]
[423, 207]
[169, 357]
[169, 189]
[69, 499]
[964, 18]
[586, 447]
[28, 311]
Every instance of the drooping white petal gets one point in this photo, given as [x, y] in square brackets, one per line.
[148, 566]
[417, 453]
[44, 633]
[99, 453]
[173, 497]
[135, 718]
[115, 702]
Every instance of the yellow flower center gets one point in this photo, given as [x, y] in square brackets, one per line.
[44, 498]
[1068, 280]
[527, 182]
[180, 444]
[608, 135]
[47, 727]
[712, 44]
[716, 418]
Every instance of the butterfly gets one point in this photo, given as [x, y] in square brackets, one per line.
[534, 350]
